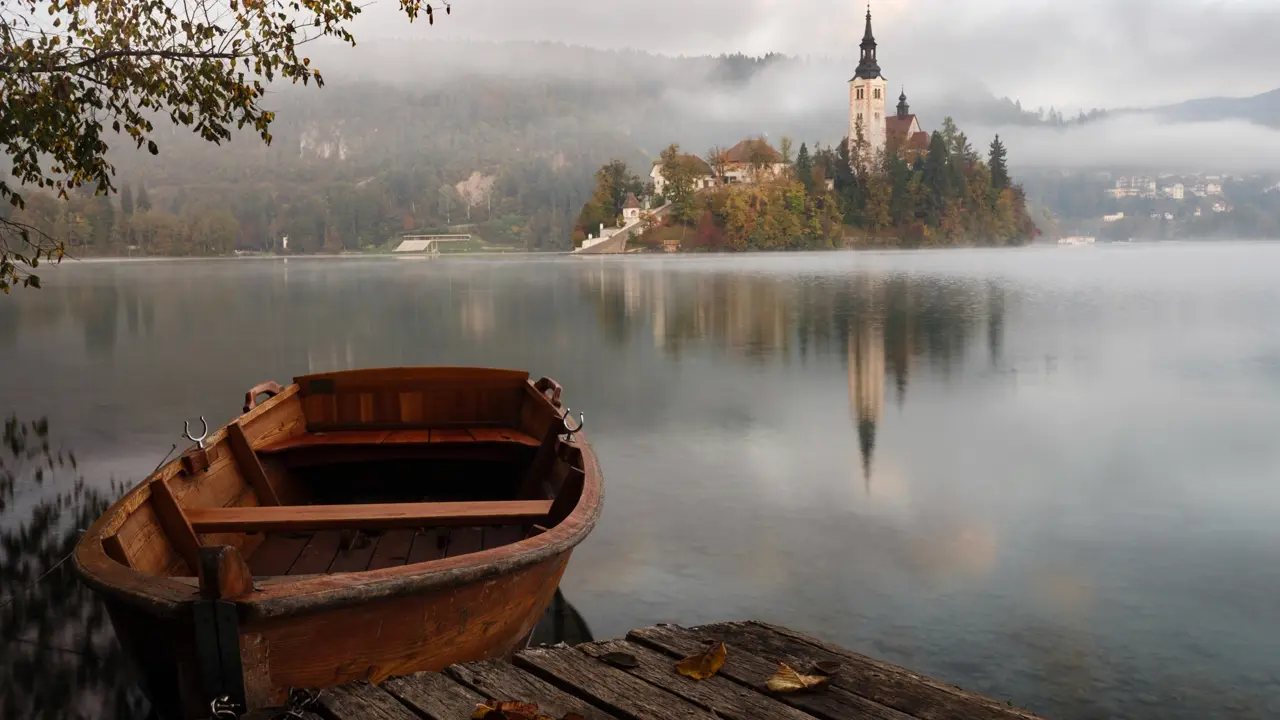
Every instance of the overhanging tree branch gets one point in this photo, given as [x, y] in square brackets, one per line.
[71, 69]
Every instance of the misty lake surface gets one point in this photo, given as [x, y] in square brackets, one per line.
[1050, 475]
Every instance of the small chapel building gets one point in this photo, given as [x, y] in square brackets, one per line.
[868, 95]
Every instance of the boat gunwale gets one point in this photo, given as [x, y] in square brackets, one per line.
[163, 596]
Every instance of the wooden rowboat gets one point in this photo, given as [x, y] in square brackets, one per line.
[355, 525]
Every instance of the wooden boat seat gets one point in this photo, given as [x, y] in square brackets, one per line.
[438, 436]
[388, 515]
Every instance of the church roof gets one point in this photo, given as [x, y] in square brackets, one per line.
[743, 151]
[868, 68]
[632, 202]
[900, 126]
[701, 165]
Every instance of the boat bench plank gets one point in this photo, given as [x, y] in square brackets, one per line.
[373, 515]
[399, 437]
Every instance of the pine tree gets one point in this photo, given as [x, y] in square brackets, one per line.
[144, 202]
[936, 179]
[126, 200]
[804, 168]
[999, 169]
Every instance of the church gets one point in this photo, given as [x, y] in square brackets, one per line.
[867, 96]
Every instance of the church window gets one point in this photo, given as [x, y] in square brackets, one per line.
[877, 93]
[859, 117]
[859, 93]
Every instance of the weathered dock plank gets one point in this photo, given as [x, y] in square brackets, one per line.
[497, 680]
[362, 701]
[434, 696]
[565, 680]
[608, 687]
[724, 697]
[889, 685]
[752, 671]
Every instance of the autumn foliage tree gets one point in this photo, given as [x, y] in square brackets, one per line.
[74, 75]
[614, 181]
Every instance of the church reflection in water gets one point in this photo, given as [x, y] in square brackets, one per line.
[866, 389]
[883, 327]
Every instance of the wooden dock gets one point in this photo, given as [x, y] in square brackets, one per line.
[562, 680]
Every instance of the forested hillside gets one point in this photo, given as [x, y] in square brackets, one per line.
[500, 141]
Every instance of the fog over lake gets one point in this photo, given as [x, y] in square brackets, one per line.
[1046, 475]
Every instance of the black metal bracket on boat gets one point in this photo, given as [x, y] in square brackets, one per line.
[217, 631]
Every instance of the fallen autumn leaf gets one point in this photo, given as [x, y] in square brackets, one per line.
[787, 680]
[704, 664]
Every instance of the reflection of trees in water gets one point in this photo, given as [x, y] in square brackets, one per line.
[881, 325]
[60, 659]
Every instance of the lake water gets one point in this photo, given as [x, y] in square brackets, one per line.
[1051, 475]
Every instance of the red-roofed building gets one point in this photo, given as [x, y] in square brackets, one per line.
[749, 157]
[902, 131]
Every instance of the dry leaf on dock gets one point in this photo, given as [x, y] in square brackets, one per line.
[704, 664]
[494, 710]
[787, 680]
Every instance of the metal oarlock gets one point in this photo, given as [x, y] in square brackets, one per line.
[570, 432]
[199, 441]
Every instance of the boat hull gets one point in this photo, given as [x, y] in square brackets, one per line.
[323, 646]
[256, 634]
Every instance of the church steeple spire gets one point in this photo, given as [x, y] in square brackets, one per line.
[903, 108]
[868, 68]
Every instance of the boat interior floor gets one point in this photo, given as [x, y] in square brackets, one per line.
[334, 551]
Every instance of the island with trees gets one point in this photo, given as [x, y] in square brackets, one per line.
[911, 194]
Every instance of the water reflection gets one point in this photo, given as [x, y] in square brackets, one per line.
[60, 659]
[881, 325]
[1046, 476]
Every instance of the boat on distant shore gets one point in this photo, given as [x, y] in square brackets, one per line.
[354, 526]
[1077, 240]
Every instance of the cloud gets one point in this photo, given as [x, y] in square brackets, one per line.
[1140, 141]
[1078, 54]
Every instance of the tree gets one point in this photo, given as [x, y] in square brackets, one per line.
[759, 158]
[126, 200]
[144, 201]
[950, 132]
[784, 147]
[804, 168]
[680, 172]
[859, 148]
[718, 158]
[877, 208]
[618, 181]
[999, 169]
[70, 69]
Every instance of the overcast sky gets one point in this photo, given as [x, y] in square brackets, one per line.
[1068, 53]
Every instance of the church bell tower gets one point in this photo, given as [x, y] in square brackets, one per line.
[867, 95]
